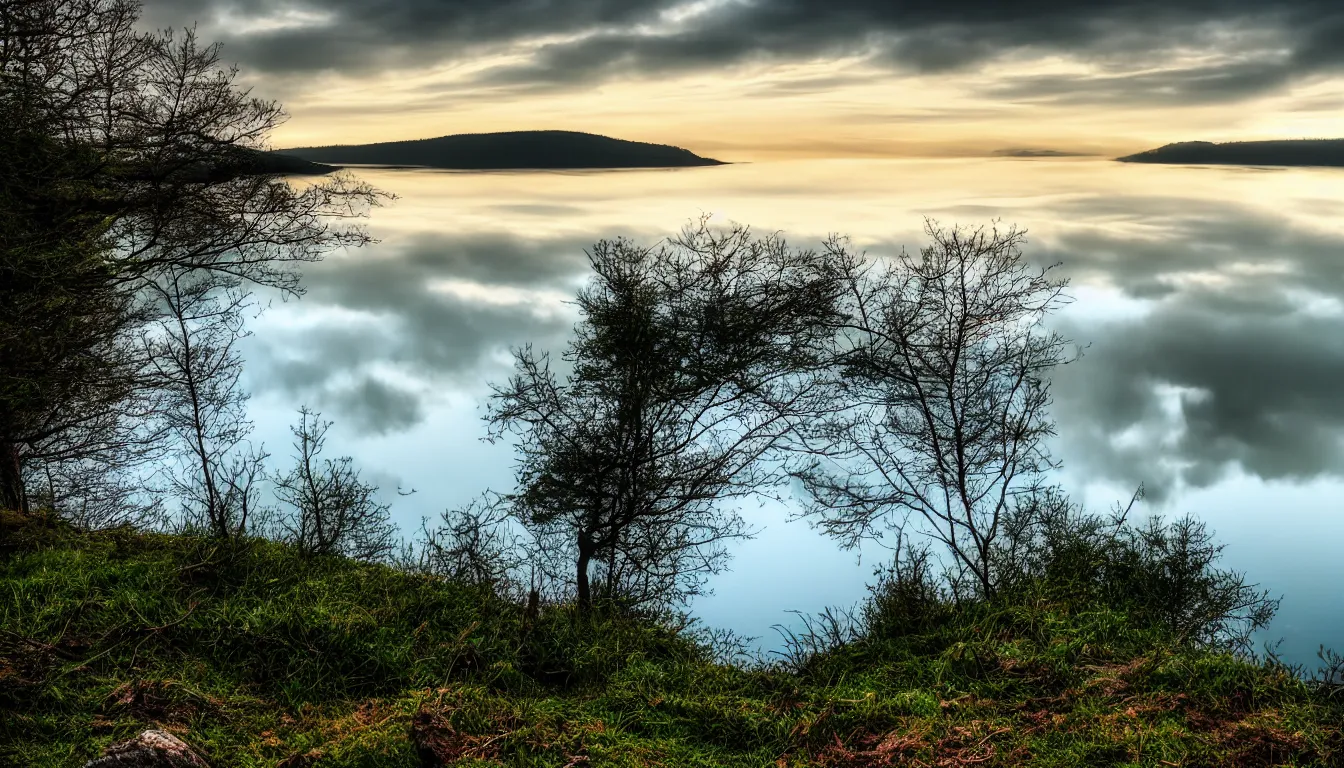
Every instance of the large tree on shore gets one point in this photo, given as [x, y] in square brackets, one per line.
[128, 156]
[63, 357]
[691, 363]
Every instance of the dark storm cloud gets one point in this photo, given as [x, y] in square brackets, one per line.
[1239, 364]
[1166, 238]
[582, 41]
[1203, 387]
[363, 35]
[377, 407]
[1172, 87]
[396, 315]
[495, 259]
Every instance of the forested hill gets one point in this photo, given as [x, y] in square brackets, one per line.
[252, 162]
[1318, 152]
[511, 150]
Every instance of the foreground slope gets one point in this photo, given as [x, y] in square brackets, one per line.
[260, 659]
[510, 150]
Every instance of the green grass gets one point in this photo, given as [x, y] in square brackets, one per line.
[261, 659]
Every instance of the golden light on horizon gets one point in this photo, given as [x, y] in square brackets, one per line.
[838, 106]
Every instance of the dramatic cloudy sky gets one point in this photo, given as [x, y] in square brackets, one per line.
[753, 78]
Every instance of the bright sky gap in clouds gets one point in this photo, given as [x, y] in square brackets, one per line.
[753, 79]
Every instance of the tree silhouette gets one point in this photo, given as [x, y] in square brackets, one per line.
[334, 512]
[126, 168]
[941, 391]
[692, 362]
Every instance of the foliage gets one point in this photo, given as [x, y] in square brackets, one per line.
[479, 544]
[125, 173]
[909, 595]
[940, 396]
[266, 657]
[691, 363]
[194, 364]
[333, 511]
[1160, 573]
[64, 354]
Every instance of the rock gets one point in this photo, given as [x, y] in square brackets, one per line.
[151, 749]
[436, 742]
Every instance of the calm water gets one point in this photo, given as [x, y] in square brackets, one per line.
[1210, 301]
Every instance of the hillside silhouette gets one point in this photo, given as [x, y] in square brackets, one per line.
[510, 150]
[252, 163]
[1317, 152]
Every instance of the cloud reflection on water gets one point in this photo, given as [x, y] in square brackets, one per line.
[1211, 302]
[1234, 360]
[1239, 333]
[378, 331]
[1238, 361]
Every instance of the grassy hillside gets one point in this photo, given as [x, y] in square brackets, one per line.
[259, 659]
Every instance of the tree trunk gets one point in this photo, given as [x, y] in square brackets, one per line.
[533, 608]
[11, 479]
[585, 596]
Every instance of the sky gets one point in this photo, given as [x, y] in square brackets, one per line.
[757, 79]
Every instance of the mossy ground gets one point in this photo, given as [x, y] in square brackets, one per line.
[261, 659]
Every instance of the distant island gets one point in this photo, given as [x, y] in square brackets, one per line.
[1318, 152]
[1036, 153]
[510, 150]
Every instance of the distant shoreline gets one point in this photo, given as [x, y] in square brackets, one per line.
[520, 169]
[1317, 153]
[509, 151]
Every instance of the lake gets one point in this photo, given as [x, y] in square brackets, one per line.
[1210, 303]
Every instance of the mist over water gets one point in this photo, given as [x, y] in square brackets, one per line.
[1209, 303]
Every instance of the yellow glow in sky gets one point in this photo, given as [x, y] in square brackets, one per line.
[822, 109]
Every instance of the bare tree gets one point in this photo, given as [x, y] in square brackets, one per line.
[197, 366]
[941, 372]
[129, 157]
[477, 544]
[690, 365]
[93, 495]
[63, 361]
[334, 512]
